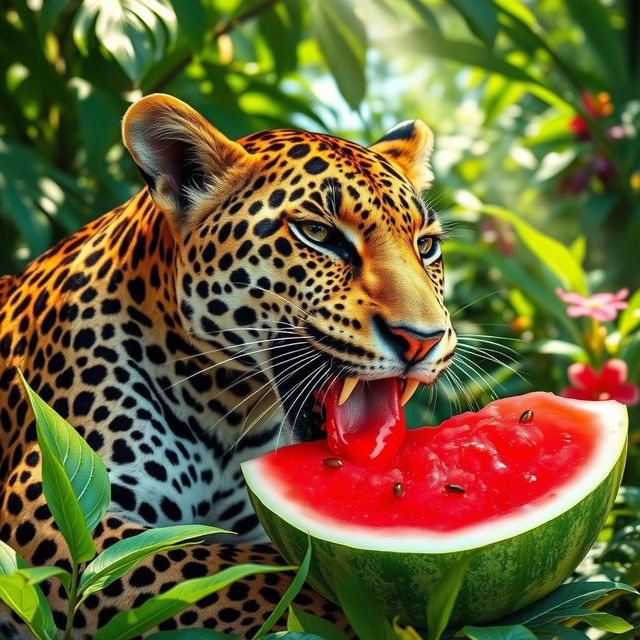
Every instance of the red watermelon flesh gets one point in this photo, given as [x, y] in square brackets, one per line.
[471, 468]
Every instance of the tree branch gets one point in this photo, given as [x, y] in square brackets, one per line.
[219, 30]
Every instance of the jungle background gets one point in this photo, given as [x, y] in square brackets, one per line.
[535, 106]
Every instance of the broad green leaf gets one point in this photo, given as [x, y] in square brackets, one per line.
[513, 632]
[579, 248]
[190, 634]
[552, 253]
[135, 32]
[423, 12]
[593, 18]
[481, 16]
[342, 41]
[74, 479]
[444, 597]
[299, 620]
[36, 575]
[520, 10]
[97, 106]
[630, 496]
[425, 40]
[605, 621]
[291, 592]
[560, 632]
[25, 599]
[566, 602]
[280, 38]
[362, 611]
[560, 348]
[134, 622]
[630, 317]
[122, 556]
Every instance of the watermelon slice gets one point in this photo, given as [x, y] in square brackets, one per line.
[528, 479]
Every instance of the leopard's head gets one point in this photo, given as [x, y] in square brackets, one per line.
[311, 259]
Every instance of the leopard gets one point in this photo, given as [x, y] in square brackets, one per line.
[190, 328]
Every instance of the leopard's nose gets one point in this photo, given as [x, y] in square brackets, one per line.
[409, 343]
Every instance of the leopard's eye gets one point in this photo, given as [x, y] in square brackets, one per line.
[429, 249]
[315, 231]
[425, 245]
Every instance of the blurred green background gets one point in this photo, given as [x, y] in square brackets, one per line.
[535, 105]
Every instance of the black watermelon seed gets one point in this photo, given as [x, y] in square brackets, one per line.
[454, 488]
[526, 417]
[398, 490]
[332, 463]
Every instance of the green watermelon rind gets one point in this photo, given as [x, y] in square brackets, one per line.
[505, 576]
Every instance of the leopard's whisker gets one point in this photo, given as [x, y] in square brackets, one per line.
[470, 340]
[462, 391]
[217, 364]
[480, 299]
[487, 354]
[476, 373]
[448, 392]
[237, 346]
[278, 400]
[312, 381]
[253, 393]
[252, 372]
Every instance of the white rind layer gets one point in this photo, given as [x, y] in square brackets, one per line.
[610, 418]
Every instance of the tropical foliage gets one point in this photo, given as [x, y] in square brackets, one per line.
[536, 109]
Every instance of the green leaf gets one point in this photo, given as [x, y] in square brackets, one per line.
[605, 621]
[559, 632]
[131, 623]
[280, 38]
[25, 599]
[135, 32]
[566, 602]
[341, 37]
[579, 248]
[36, 575]
[593, 18]
[360, 607]
[122, 556]
[74, 478]
[97, 106]
[190, 634]
[481, 16]
[560, 348]
[512, 632]
[444, 597]
[630, 317]
[291, 592]
[299, 620]
[425, 40]
[556, 256]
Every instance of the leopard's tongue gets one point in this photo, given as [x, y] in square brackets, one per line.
[370, 426]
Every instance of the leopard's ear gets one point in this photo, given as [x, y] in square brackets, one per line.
[409, 145]
[181, 156]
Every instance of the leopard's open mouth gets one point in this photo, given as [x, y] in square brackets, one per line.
[315, 392]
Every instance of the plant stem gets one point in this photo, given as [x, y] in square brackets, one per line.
[219, 30]
[73, 596]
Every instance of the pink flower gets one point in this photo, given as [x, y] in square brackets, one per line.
[609, 384]
[601, 306]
